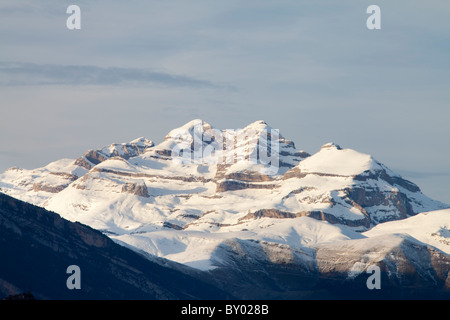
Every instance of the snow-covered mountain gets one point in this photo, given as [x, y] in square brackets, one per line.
[202, 191]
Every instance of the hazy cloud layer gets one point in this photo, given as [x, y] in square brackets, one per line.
[28, 74]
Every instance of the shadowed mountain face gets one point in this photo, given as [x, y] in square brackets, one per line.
[408, 269]
[37, 246]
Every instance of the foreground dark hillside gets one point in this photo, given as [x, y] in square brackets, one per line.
[37, 246]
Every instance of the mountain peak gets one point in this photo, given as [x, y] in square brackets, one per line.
[142, 141]
[331, 145]
[259, 125]
[190, 128]
[193, 122]
[332, 159]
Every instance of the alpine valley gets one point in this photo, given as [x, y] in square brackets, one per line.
[215, 211]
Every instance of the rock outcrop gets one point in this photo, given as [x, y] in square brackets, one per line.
[139, 189]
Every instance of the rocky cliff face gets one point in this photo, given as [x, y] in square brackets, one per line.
[136, 189]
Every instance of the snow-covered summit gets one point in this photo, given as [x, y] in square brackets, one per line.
[331, 145]
[193, 127]
[332, 159]
[142, 141]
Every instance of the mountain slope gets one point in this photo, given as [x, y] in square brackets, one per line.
[408, 268]
[37, 246]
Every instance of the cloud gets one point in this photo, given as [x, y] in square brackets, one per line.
[422, 174]
[29, 74]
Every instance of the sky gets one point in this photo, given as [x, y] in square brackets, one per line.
[311, 69]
